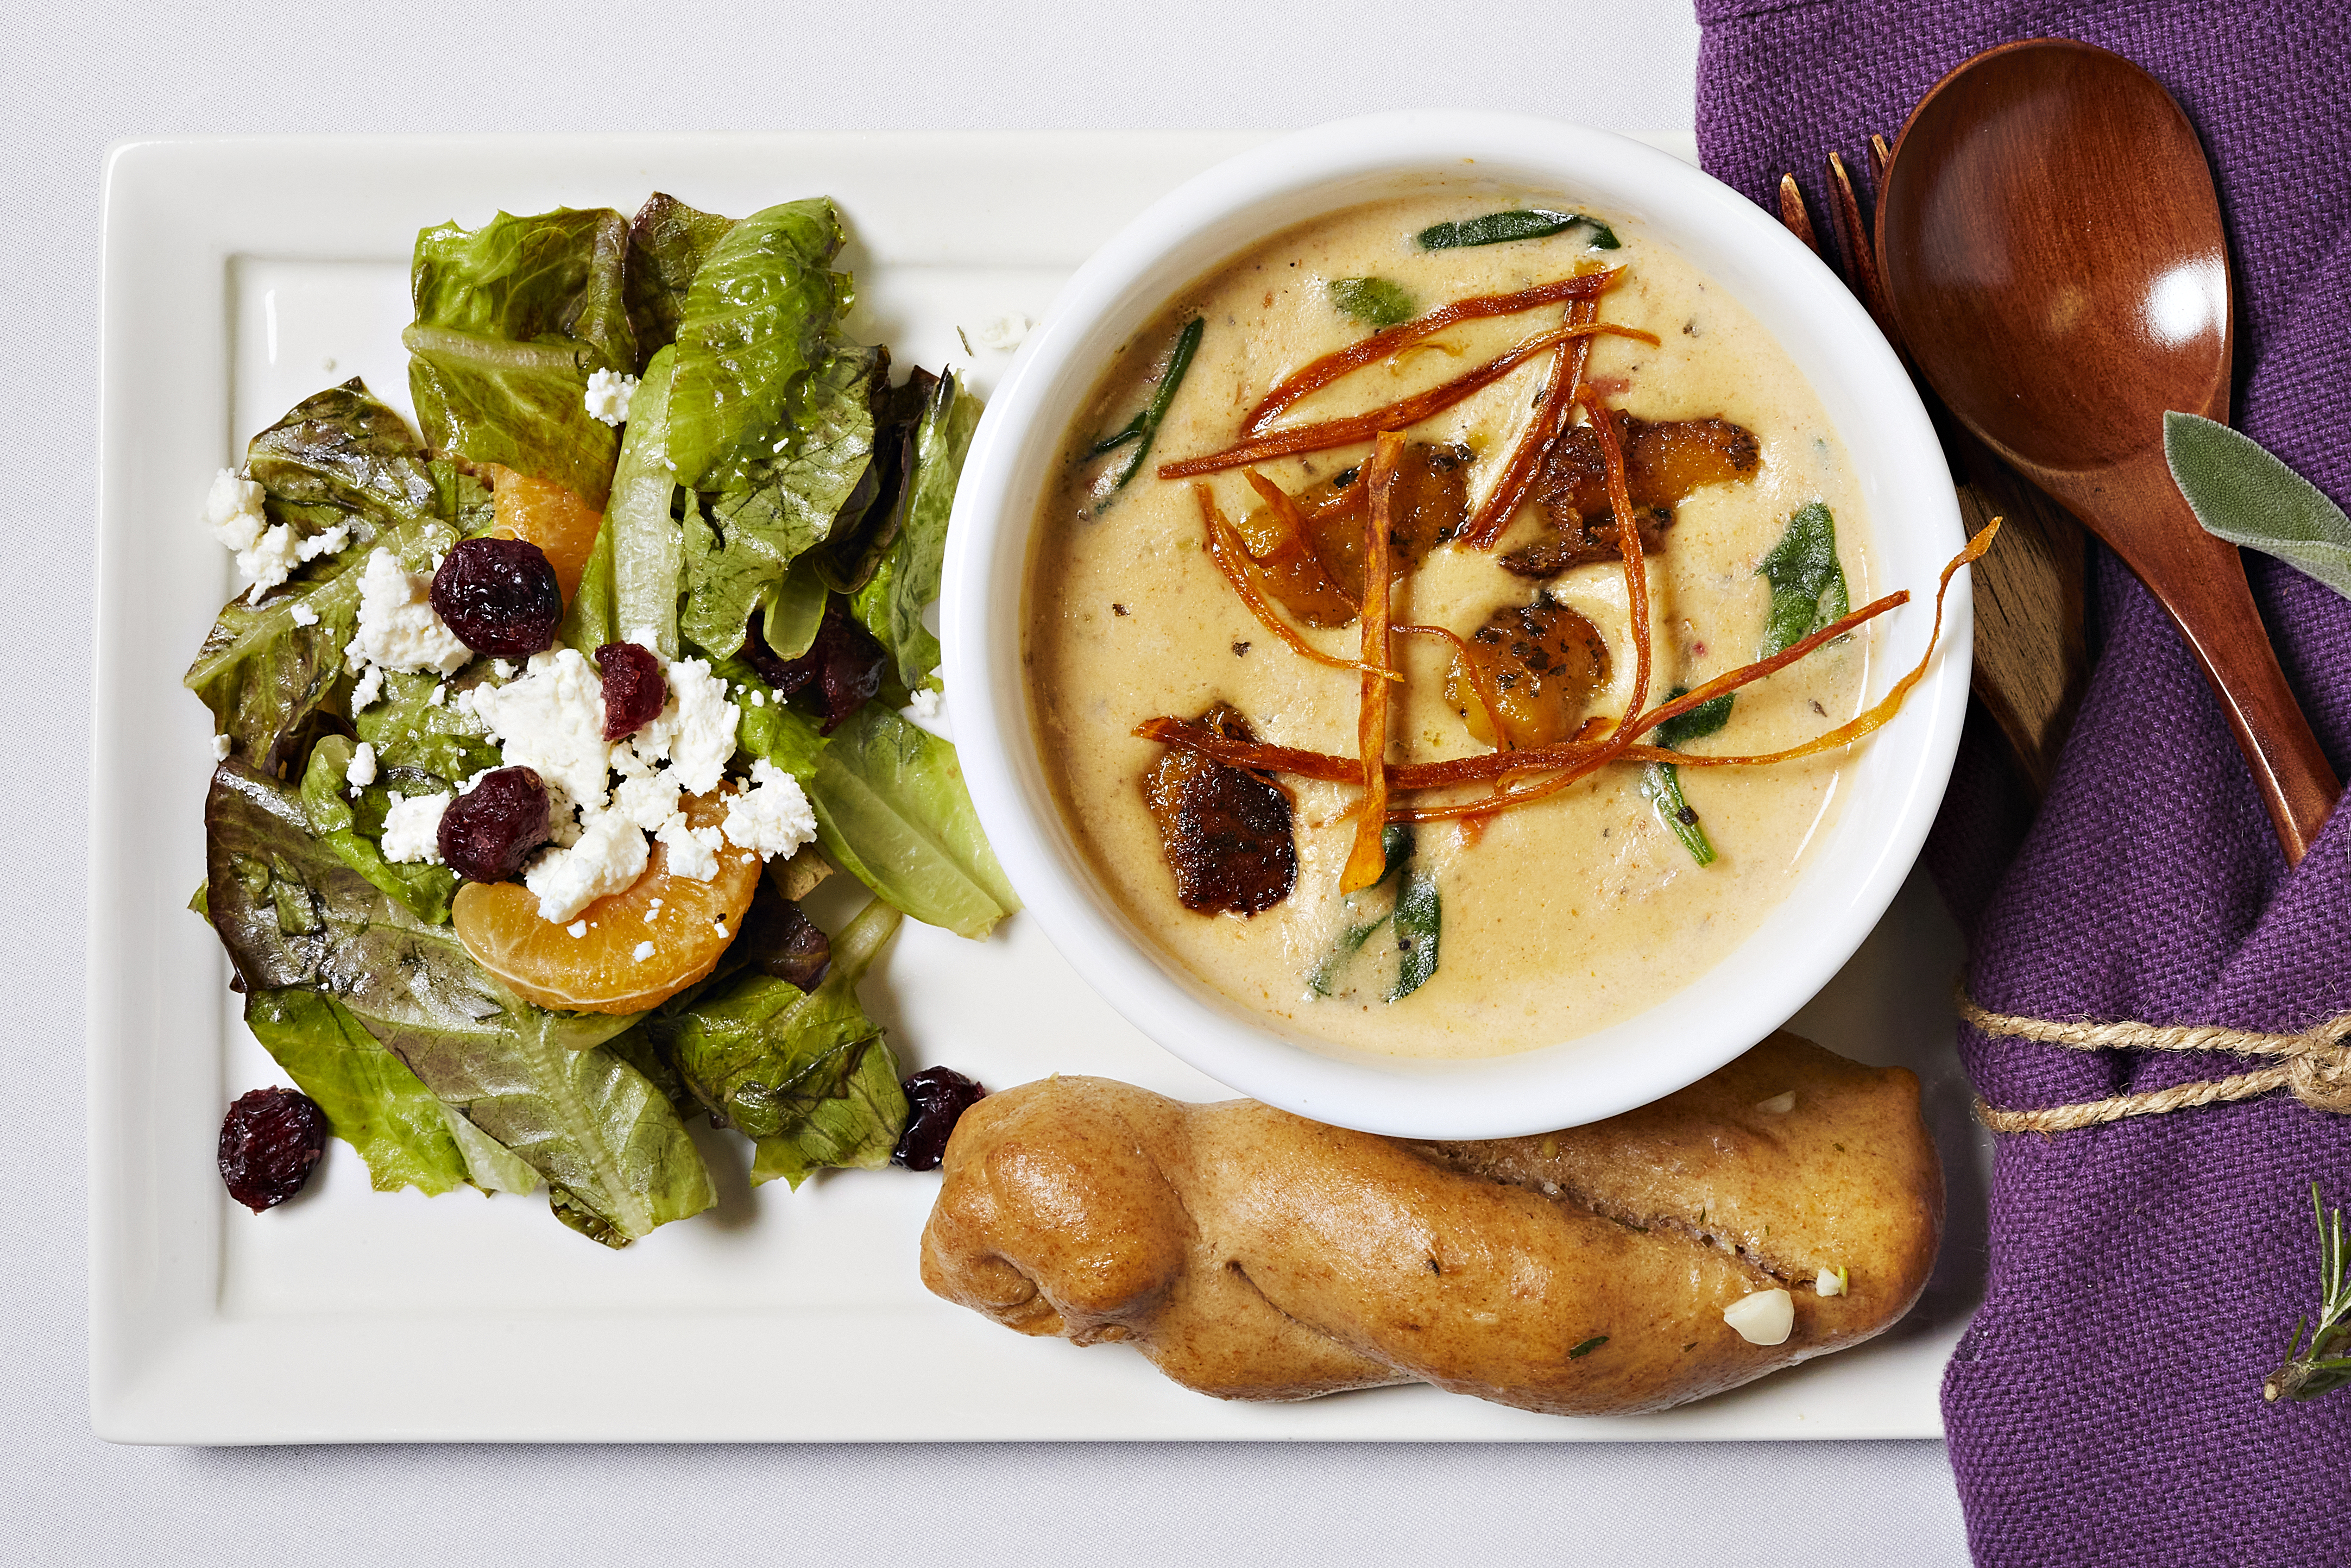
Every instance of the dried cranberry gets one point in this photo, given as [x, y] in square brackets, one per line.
[843, 664]
[268, 1141]
[939, 1097]
[633, 688]
[499, 596]
[779, 940]
[489, 831]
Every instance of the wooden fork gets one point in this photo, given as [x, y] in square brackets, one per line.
[2031, 655]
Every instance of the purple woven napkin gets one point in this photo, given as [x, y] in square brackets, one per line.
[2105, 1406]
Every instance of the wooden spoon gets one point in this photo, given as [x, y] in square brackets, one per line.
[2053, 253]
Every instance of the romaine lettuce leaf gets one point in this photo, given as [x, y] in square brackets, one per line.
[773, 729]
[590, 621]
[892, 810]
[408, 729]
[757, 320]
[371, 1100]
[801, 1071]
[890, 604]
[667, 243]
[511, 318]
[641, 519]
[273, 673]
[291, 913]
[350, 823]
[738, 549]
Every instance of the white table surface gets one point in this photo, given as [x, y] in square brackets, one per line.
[75, 77]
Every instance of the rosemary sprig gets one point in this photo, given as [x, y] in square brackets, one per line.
[2323, 1364]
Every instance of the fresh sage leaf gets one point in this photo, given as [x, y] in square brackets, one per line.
[1808, 587]
[1699, 722]
[1373, 301]
[2242, 494]
[1143, 428]
[1661, 786]
[1420, 919]
[1520, 223]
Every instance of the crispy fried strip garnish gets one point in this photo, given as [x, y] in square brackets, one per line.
[1278, 501]
[1397, 415]
[1227, 550]
[1481, 685]
[1368, 859]
[1314, 377]
[1509, 489]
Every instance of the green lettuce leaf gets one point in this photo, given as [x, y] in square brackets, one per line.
[668, 242]
[1808, 587]
[511, 318]
[371, 1100]
[892, 810]
[773, 729]
[647, 543]
[739, 550]
[354, 827]
[408, 729]
[892, 601]
[591, 619]
[757, 320]
[291, 913]
[786, 1066]
[274, 674]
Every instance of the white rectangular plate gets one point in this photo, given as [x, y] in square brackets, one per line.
[240, 276]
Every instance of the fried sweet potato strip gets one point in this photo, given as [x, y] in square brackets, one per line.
[1367, 861]
[1225, 549]
[1502, 503]
[1321, 373]
[1397, 415]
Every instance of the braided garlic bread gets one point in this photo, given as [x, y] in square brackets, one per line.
[1254, 1255]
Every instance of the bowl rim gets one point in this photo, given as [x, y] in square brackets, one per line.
[1674, 1041]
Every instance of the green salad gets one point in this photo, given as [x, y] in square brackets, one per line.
[531, 727]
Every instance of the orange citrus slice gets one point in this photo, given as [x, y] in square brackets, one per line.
[548, 515]
[686, 922]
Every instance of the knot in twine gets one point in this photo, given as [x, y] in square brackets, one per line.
[2315, 1064]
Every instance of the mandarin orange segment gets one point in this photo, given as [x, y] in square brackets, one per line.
[687, 923]
[550, 516]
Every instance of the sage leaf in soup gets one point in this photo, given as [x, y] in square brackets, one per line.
[1518, 223]
[1143, 428]
[1808, 587]
[1419, 921]
[2242, 494]
[1373, 301]
[1661, 782]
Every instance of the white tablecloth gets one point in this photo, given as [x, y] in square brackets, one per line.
[75, 77]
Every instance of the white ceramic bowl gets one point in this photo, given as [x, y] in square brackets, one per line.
[1899, 773]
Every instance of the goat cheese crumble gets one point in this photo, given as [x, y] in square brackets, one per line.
[303, 615]
[411, 828]
[398, 629]
[608, 395]
[773, 817]
[220, 748]
[361, 772]
[233, 510]
[610, 853]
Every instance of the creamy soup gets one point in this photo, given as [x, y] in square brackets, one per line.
[1559, 917]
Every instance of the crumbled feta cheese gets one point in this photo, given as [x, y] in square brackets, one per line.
[220, 748]
[771, 818]
[502, 668]
[1833, 1281]
[643, 951]
[362, 772]
[1005, 333]
[577, 928]
[1767, 1317]
[303, 615]
[369, 690]
[924, 704]
[610, 855]
[1779, 1104]
[693, 732]
[758, 698]
[463, 702]
[411, 829]
[270, 562]
[552, 721]
[397, 628]
[326, 543]
[609, 396]
[649, 802]
[233, 510]
[439, 695]
[693, 851]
